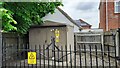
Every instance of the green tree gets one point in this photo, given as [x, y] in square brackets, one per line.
[7, 20]
[25, 14]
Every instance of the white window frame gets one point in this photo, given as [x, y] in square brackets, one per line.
[116, 10]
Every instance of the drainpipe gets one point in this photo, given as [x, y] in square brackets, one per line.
[106, 15]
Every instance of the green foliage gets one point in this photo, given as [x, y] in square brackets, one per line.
[27, 14]
[7, 20]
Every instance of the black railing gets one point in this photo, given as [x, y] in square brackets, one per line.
[66, 56]
[61, 57]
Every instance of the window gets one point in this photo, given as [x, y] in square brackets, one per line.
[117, 7]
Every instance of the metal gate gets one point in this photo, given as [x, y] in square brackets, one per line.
[52, 56]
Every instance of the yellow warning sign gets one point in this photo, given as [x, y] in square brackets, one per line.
[31, 57]
[57, 35]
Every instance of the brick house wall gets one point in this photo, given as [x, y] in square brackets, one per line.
[113, 18]
[102, 16]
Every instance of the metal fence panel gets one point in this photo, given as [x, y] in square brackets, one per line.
[77, 58]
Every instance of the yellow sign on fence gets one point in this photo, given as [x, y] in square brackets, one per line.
[31, 57]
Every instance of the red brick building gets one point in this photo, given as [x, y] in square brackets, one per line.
[109, 15]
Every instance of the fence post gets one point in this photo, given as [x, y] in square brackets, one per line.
[1, 5]
[0, 49]
[102, 41]
[117, 43]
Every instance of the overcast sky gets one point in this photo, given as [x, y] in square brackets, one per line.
[83, 9]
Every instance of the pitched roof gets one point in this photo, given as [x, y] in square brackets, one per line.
[67, 16]
[81, 23]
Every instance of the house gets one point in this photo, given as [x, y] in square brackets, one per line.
[62, 17]
[109, 15]
[83, 24]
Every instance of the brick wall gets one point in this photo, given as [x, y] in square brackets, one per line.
[102, 16]
[113, 22]
[113, 18]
